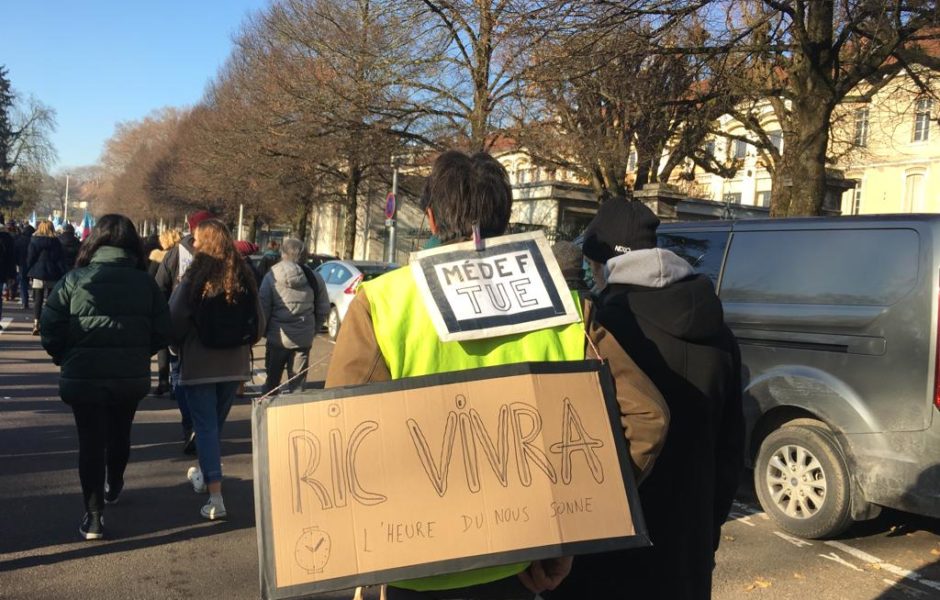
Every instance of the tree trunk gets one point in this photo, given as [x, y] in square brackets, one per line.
[799, 183]
[302, 221]
[351, 202]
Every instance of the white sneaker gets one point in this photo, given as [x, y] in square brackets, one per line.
[194, 475]
[213, 510]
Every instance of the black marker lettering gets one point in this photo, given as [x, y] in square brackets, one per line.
[525, 448]
[469, 446]
[469, 271]
[305, 444]
[569, 444]
[355, 488]
[438, 476]
[522, 287]
[500, 263]
[471, 293]
[502, 303]
[454, 271]
[497, 454]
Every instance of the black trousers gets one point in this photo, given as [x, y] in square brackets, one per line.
[104, 445]
[277, 358]
[39, 296]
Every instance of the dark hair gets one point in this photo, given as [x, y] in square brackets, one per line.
[463, 190]
[112, 230]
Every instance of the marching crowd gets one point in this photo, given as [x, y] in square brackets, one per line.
[104, 306]
[196, 302]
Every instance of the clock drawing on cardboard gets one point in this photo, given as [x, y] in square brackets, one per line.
[312, 551]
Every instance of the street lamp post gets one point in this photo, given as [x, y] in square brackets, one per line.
[65, 210]
[391, 205]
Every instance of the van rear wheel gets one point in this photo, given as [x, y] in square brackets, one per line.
[802, 482]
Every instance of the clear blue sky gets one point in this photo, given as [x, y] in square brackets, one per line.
[100, 62]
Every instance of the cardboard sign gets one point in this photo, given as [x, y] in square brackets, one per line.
[440, 474]
[513, 285]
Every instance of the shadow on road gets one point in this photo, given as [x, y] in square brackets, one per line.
[131, 524]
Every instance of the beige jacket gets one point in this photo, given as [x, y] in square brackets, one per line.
[357, 360]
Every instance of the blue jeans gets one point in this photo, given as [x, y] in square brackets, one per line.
[209, 404]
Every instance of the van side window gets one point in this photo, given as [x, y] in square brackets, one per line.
[861, 267]
[703, 250]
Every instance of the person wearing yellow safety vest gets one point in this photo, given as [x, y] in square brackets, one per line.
[387, 334]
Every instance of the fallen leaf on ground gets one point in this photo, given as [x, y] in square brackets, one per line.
[759, 583]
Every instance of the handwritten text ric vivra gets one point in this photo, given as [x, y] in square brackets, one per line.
[328, 467]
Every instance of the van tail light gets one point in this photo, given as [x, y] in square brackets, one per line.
[351, 288]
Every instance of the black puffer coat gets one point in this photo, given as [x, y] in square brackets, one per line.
[7, 257]
[45, 259]
[101, 324]
[70, 247]
[677, 336]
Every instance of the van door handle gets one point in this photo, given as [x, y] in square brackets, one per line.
[823, 342]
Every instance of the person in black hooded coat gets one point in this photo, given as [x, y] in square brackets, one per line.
[70, 245]
[21, 251]
[45, 265]
[670, 321]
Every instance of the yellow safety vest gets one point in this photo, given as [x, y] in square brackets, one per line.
[410, 345]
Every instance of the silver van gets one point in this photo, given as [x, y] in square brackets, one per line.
[837, 319]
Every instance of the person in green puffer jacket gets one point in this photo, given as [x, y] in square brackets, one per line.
[101, 324]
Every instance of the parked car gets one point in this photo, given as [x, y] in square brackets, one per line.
[837, 319]
[342, 277]
[315, 260]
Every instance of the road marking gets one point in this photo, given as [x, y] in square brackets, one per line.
[893, 569]
[835, 558]
[909, 591]
[793, 540]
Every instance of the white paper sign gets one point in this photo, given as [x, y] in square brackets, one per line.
[513, 285]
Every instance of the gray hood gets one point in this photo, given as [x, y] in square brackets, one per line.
[655, 268]
[289, 274]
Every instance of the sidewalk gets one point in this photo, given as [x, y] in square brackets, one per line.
[158, 545]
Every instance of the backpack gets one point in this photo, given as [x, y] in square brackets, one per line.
[311, 278]
[223, 325]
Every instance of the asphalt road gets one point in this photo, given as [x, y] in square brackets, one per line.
[159, 546]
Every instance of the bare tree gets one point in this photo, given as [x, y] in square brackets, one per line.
[595, 96]
[805, 57]
[26, 150]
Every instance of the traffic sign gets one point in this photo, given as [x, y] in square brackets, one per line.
[390, 206]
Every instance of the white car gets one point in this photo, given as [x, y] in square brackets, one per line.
[342, 277]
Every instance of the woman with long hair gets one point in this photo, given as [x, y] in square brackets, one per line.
[216, 319]
[101, 324]
[45, 265]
